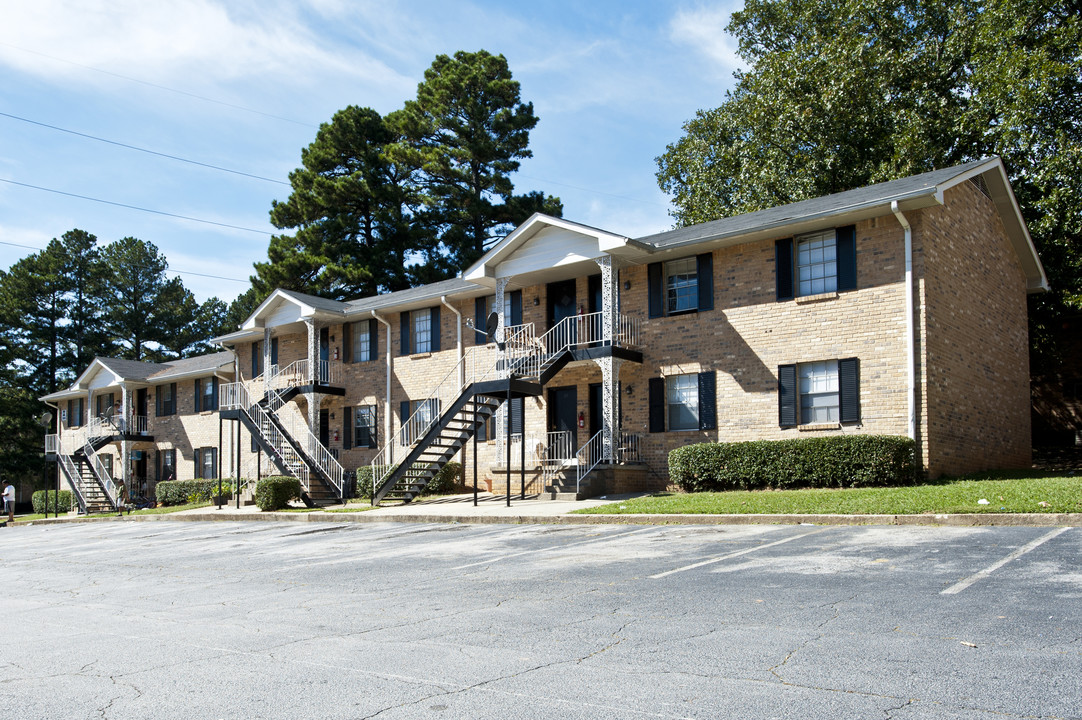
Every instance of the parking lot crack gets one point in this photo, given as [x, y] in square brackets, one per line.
[834, 614]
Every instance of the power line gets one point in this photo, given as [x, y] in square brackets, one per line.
[136, 207]
[161, 87]
[145, 150]
[168, 270]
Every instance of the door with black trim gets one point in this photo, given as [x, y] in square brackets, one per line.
[562, 422]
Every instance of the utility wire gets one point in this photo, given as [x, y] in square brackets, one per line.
[168, 270]
[135, 207]
[145, 150]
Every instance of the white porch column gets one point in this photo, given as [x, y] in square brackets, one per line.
[313, 350]
[610, 403]
[610, 298]
[501, 291]
[266, 360]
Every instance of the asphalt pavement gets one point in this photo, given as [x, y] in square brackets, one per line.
[425, 619]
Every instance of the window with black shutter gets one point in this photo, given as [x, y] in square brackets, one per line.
[680, 286]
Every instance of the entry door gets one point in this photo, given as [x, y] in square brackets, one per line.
[324, 354]
[140, 407]
[563, 418]
[561, 301]
[324, 427]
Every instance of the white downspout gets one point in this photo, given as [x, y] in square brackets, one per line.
[387, 396]
[910, 328]
[458, 326]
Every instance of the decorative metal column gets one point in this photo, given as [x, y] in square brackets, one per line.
[610, 403]
[123, 424]
[503, 431]
[313, 350]
[610, 298]
[266, 360]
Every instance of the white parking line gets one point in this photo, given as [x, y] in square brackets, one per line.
[491, 560]
[963, 584]
[738, 553]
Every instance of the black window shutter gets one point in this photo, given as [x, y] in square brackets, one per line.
[783, 268]
[849, 390]
[255, 359]
[175, 401]
[708, 404]
[198, 394]
[404, 410]
[518, 413]
[435, 329]
[347, 342]
[347, 430]
[516, 307]
[657, 405]
[404, 326]
[655, 289]
[373, 340]
[480, 317]
[157, 466]
[788, 395]
[274, 351]
[214, 399]
[71, 404]
[482, 430]
[198, 464]
[158, 401]
[704, 276]
[847, 258]
[373, 440]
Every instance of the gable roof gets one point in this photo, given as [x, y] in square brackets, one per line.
[909, 193]
[135, 371]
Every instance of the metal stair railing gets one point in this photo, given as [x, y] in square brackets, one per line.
[316, 451]
[53, 446]
[519, 357]
[101, 473]
[234, 396]
[590, 456]
[557, 455]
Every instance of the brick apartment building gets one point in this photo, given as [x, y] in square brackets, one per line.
[899, 309]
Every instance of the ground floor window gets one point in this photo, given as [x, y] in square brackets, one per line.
[169, 465]
[364, 426]
[206, 463]
[682, 397]
[818, 392]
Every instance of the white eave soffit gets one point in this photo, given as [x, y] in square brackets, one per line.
[577, 243]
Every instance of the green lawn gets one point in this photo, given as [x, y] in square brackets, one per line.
[1010, 492]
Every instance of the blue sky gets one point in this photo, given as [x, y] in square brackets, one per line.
[244, 85]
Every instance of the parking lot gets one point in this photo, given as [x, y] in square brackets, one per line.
[396, 620]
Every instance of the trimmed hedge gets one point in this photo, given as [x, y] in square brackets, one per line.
[38, 500]
[274, 493]
[182, 492]
[447, 480]
[838, 461]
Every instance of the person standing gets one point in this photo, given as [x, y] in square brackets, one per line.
[9, 501]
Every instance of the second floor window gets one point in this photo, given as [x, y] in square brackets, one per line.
[165, 400]
[206, 394]
[816, 263]
[681, 286]
[422, 331]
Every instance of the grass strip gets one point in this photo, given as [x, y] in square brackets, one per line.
[1006, 492]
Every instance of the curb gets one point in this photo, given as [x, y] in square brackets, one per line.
[957, 520]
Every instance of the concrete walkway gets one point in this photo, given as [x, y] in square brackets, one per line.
[494, 509]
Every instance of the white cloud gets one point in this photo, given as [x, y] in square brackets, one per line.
[208, 40]
[703, 29]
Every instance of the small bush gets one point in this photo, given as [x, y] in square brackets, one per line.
[447, 480]
[838, 461]
[274, 493]
[181, 492]
[39, 501]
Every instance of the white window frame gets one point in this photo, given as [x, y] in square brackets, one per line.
[817, 263]
[362, 341]
[368, 412]
[421, 331]
[820, 393]
[681, 285]
[682, 397]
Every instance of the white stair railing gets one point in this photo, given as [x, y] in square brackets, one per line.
[71, 473]
[316, 451]
[590, 456]
[234, 396]
[558, 454]
[101, 473]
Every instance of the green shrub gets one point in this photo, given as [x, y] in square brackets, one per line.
[838, 461]
[181, 492]
[447, 480]
[39, 501]
[274, 493]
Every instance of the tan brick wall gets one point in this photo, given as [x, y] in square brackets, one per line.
[977, 413]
